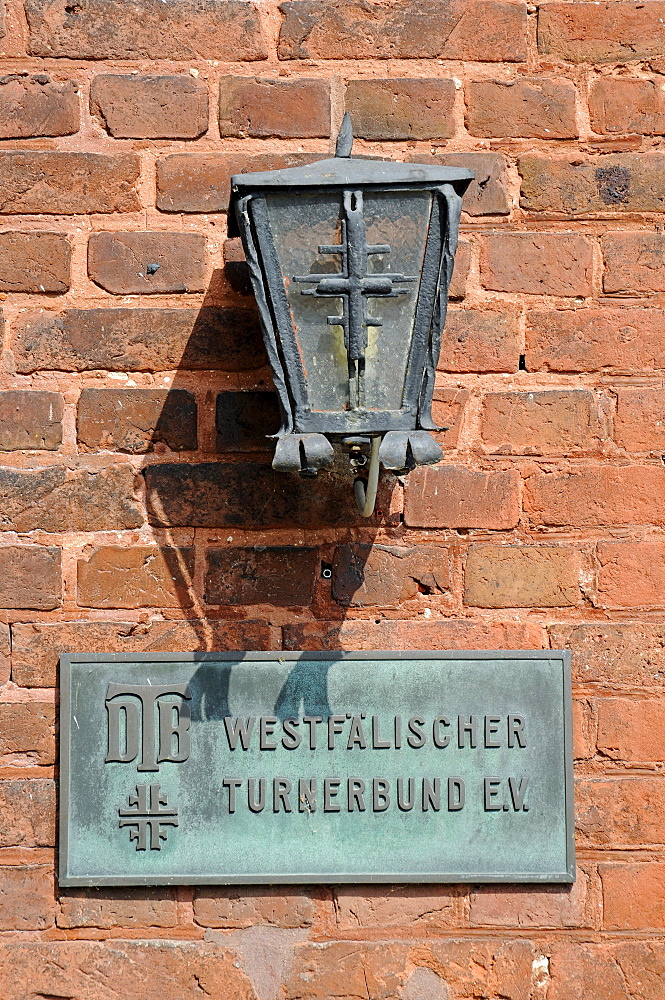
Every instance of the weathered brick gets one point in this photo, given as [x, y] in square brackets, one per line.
[593, 970]
[457, 289]
[30, 419]
[476, 340]
[613, 31]
[27, 733]
[139, 339]
[450, 633]
[126, 263]
[537, 108]
[625, 341]
[201, 182]
[486, 194]
[26, 898]
[30, 577]
[217, 495]
[95, 970]
[34, 262]
[406, 29]
[623, 105]
[260, 108]
[619, 812]
[585, 186]
[537, 263]
[633, 896]
[5, 653]
[34, 182]
[388, 574]
[447, 411]
[414, 909]
[631, 574]
[28, 813]
[634, 262]
[134, 420]
[620, 655]
[221, 29]
[631, 731]
[452, 496]
[283, 576]
[639, 422]
[60, 499]
[137, 577]
[36, 106]
[36, 646]
[551, 422]
[529, 576]
[524, 906]
[597, 494]
[401, 109]
[230, 908]
[107, 908]
[150, 107]
[244, 419]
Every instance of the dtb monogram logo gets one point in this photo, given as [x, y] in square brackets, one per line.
[137, 712]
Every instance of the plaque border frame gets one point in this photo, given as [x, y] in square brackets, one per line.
[533, 878]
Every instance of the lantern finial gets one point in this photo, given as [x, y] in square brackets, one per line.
[345, 137]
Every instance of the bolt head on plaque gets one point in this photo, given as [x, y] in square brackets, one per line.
[351, 261]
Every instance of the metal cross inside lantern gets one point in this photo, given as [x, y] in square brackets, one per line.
[363, 376]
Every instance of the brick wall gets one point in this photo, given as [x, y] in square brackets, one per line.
[139, 512]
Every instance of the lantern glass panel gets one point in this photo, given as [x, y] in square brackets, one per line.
[301, 225]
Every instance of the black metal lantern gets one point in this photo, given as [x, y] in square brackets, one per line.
[351, 260]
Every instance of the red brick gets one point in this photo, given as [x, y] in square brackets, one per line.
[30, 419]
[620, 812]
[150, 107]
[28, 813]
[524, 906]
[260, 108]
[486, 195]
[139, 340]
[282, 576]
[96, 970]
[56, 183]
[415, 909]
[639, 422]
[534, 108]
[30, 577]
[631, 731]
[457, 289]
[236, 909]
[597, 494]
[631, 574]
[401, 109]
[552, 422]
[587, 186]
[5, 653]
[137, 577]
[611, 31]
[61, 499]
[135, 420]
[537, 263]
[388, 574]
[109, 908]
[450, 633]
[406, 29]
[27, 733]
[448, 407]
[126, 263]
[227, 30]
[477, 340]
[622, 105]
[452, 496]
[634, 262]
[587, 970]
[36, 646]
[244, 421]
[36, 105]
[26, 898]
[625, 341]
[633, 896]
[526, 576]
[34, 262]
[201, 182]
[619, 655]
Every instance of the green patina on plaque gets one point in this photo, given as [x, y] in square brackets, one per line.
[316, 767]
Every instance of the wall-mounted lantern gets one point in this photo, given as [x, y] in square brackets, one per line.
[351, 260]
